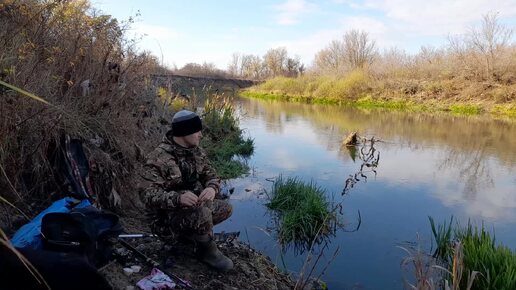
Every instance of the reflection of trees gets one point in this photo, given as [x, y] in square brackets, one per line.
[470, 143]
[328, 125]
[473, 168]
[446, 131]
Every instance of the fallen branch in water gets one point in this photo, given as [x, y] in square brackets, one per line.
[370, 158]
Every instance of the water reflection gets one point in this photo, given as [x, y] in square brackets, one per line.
[465, 161]
[472, 168]
[415, 130]
[430, 166]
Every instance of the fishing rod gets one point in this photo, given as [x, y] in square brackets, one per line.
[135, 236]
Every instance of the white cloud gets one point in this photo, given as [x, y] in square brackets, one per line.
[286, 160]
[440, 17]
[307, 46]
[292, 10]
[161, 33]
[496, 201]
[377, 29]
[404, 24]
[368, 24]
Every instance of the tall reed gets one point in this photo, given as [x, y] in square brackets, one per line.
[224, 140]
[496, 264]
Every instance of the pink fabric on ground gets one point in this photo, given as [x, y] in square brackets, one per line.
[157, 280]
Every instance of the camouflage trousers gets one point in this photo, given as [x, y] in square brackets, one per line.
[192, 220]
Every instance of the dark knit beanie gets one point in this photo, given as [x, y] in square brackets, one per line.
[185, 123]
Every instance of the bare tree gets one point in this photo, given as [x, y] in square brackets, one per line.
[256, 66]
[393, 62]
[234, 65]
[302, 69]
[490, 41]
[331, 58]
[292, 67]
[458, 50]
[275, 61]
[245, 65]
[355, 50]
[359, 50]
[252, 66]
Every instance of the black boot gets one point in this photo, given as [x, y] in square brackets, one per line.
[211, 255]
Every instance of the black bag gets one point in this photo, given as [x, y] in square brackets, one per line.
[62, 271]
[86, 231]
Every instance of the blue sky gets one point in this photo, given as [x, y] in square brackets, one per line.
[211, 31]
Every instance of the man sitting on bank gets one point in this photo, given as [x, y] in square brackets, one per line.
[182, 190]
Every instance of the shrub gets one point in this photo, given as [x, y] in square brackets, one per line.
[82, 63]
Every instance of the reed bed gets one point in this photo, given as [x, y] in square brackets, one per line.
[495, 264]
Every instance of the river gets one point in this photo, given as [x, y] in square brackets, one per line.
[430, 165]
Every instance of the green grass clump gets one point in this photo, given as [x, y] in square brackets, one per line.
[303, 210]
[264, 95]
[370, 103]
[496, 263]
[465, 109]
[504, 110]
[223, 140]
[442, 234]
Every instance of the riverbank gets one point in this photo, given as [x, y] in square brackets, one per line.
[252, 270]
[358, 90]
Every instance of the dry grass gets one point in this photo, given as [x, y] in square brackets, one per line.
[427, 273]
[48, 48]
[4, 242]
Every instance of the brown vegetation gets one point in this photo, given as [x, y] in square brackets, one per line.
[50, 48]
[201, 70]
[355, 51]
[485, 53]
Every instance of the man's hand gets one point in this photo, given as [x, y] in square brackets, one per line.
[207, 194]
[188, 199]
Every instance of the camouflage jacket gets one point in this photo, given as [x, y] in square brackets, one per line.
[171, 170]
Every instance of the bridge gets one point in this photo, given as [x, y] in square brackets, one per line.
[189, 85]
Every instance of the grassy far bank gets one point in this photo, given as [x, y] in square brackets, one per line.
[358, 89]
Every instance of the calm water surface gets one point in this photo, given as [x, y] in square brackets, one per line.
[435, 166]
